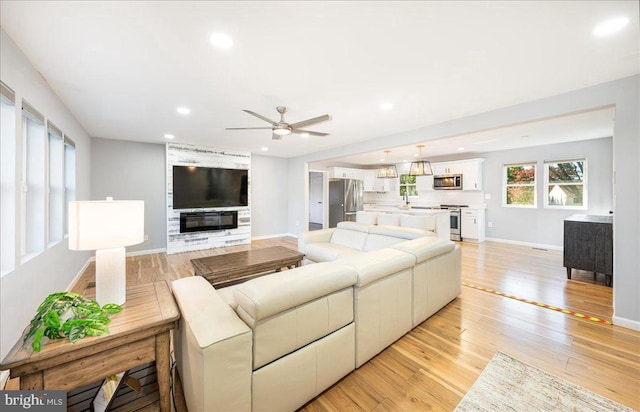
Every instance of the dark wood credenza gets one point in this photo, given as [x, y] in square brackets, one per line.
[588, 244]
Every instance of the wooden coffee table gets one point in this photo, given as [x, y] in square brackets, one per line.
[232, 268]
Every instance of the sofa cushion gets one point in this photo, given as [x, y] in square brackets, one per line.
[350, 238]
[327, 252]
[418, 222]
[291, 309]
[389, 219]
[370, 218]
[375, 242]
[360, 227]
[426, 247]
[377, 264]
[400, 232]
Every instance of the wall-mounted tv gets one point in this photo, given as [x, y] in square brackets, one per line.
[204, 187]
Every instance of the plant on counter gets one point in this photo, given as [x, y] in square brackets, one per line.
[68, 314]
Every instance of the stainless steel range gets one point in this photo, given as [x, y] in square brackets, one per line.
[455, 219]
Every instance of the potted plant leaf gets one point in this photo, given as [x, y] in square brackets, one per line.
[69, 315]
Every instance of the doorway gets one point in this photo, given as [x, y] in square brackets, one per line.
[316, 200]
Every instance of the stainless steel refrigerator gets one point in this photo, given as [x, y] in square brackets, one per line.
[346, 197]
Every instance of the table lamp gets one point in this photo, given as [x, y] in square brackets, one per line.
[107, 226]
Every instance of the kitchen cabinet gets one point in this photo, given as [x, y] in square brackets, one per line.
[446, 168]
[424, 184]
[346, 173]
[472, 225]
[370, 180]
[386, 185]
[472, 174]
[588, 244]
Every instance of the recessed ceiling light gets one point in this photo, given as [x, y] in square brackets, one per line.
[382, 160]
[169, 136]
[460, 148]
[183, 110]
[221, 41]
[415, 155]
[264, 148]
[610, 26]
[386, 106]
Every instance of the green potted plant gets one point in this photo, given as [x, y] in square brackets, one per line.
[69, 315]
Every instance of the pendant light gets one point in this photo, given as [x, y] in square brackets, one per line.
[387, 171]
[421, 167]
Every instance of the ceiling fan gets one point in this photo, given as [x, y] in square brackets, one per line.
[283, 128]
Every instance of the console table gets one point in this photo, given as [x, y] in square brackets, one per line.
[139, 335]
[588, 244]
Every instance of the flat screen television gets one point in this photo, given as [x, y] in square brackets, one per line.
[204, 187]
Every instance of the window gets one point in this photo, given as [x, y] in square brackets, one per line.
[69, 179]
[7, 179]
[33, 187]
[565, 184]
[56, 184]
[408, 185]
[519, 189]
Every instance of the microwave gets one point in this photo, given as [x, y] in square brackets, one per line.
[447, 182]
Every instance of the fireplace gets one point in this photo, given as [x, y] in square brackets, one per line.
[208, 221]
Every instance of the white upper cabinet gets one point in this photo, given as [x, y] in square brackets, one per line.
[447, 168]
[346, 173]
[370, 180]
[472, 174]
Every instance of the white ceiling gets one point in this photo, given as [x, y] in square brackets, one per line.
[122, 68]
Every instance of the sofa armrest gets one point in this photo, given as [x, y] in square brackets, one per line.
[213, 349]
[314, 236]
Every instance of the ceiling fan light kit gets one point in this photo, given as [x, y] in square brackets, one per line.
[387, 171]
[283, 128]
[421, 167]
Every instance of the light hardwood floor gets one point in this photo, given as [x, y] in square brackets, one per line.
[433, 366]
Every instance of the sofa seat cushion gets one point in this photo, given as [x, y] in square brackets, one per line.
[327, 252]
[291, 309]
[354, 237]
[375, 242]
[377, 264]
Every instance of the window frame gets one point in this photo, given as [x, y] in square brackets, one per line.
[8, 181]
[584, 184]
[407, 185]
[55, 171]
[506, 185]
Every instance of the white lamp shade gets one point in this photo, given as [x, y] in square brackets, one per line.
[105, 224]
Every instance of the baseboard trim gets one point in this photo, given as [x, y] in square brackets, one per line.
[274, 236]
[626, 323]
[529, 244]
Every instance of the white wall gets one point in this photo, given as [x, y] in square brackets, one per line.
[623, 93]
[132, 171]
[269, 193]
[22, 290]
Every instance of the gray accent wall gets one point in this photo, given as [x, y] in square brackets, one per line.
[128, 170]
[624, 94]
[53, 270]
[544, 226]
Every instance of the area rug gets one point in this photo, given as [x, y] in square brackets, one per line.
[507, 384]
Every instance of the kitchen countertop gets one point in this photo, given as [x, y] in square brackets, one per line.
[419, 209]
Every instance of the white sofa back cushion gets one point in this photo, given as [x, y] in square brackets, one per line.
[354, 239]
[418, 222]
[291, 309]
[389, 219]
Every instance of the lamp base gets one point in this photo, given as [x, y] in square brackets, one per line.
[111, 276]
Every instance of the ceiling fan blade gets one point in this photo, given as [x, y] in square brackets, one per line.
[247, 128]
[309, 122]
[259, 116]
[309, 132]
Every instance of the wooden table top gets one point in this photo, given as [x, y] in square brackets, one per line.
[148, 310]
[239, 266]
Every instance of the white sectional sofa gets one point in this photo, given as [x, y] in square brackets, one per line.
[277, 341]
